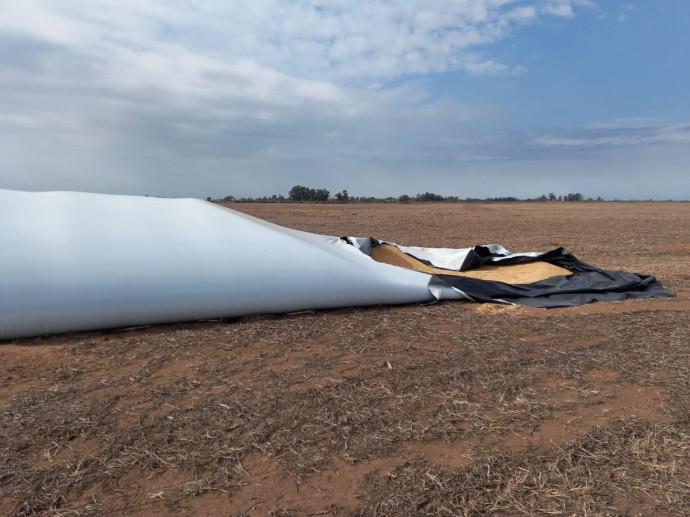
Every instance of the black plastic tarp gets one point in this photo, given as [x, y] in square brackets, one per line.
[588, 283]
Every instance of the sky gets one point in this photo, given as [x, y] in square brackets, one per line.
[470, 98]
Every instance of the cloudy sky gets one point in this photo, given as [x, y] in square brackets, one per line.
[250, 97]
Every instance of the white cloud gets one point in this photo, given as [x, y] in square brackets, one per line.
[624, 123]
[564, 9]
[357, 40]
[210, 97]
[626, 9]
[619, 133]
[95, 67]
[166, 120]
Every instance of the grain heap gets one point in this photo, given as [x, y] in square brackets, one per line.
[511, 274]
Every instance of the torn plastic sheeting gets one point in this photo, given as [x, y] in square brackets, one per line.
[75, 261]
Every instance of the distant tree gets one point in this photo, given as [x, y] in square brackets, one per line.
[209, 198]
[429, 196]
[319, 194]
[552, 196]
[343, 196]
[301, 193]
[229, 198]
[404, 198]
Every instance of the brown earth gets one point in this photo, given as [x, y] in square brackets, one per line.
[446, 409]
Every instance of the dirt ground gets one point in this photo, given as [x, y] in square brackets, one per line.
[446, 409]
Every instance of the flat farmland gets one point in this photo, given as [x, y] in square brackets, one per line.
[445, 409]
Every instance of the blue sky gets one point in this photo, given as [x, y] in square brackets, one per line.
[471, 98]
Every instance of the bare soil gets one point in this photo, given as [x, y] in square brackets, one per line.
[446, 409]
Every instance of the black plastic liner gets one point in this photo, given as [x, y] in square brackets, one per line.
[587, 284]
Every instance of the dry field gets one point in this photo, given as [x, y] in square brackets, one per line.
[446, 409]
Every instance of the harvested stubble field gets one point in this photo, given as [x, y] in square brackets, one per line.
[446, 409]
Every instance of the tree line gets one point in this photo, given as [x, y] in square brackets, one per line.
[301, 194]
